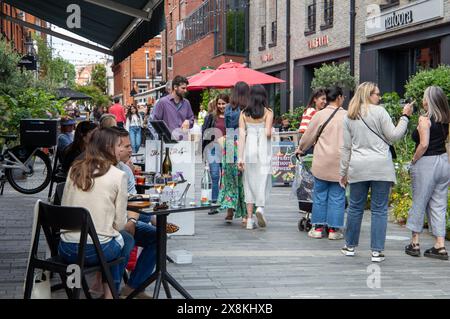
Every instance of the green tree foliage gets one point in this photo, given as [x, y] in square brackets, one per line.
[99, 77]
[21, 96]
[98, 98]
[51, 70]
[420, 81]
[333, 74]
[12, 78]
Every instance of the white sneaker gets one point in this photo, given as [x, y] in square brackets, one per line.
[262, 222]
[315, 233]
[347, 251]
[335, 235]
[377, 256]
[250, 223]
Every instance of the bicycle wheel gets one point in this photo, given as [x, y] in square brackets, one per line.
[34, 181]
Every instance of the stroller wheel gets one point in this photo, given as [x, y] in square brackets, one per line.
[308, 225]
[301, 224]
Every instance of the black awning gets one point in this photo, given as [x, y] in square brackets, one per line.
[71, 94]
[99, 24]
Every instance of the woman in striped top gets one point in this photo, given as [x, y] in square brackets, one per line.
[317, 102]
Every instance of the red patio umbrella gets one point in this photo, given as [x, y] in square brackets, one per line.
[196, 77]
[228, 74]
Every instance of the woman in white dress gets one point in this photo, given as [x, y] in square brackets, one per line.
[255, 132]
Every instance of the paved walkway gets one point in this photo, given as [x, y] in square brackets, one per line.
[278, 262]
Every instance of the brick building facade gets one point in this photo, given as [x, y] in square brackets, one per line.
[189, 45]
[142, 71]
[16, 34]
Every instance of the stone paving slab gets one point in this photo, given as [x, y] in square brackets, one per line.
[232, 262]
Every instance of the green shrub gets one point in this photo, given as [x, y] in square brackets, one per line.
[333, 74]
[295, 118]
[420, 81]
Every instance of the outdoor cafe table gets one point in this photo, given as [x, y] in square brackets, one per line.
[161, 275]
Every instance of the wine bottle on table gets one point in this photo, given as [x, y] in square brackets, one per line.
[167, 164]
[206, 194]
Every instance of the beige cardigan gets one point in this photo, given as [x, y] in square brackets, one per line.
[327, 151]
[106, 202]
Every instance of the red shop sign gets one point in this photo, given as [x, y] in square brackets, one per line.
[318, 42]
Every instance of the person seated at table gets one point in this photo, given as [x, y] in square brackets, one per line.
[66, 136]
[124, 157]
[144, 233]
[107, 120]
[82, 135]
[96, 184]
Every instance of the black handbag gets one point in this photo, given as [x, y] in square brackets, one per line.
[391, 147]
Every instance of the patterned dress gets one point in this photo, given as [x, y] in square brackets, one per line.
[231, 193]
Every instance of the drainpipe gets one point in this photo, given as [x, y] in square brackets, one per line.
[288, 56]
[352, 40]
[247, 33]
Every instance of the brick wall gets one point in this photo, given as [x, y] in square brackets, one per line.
[124, 76]
[203, 51]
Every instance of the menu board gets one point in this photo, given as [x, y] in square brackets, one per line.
[283, 167]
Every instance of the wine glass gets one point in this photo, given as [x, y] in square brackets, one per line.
[171, 182]
[160, 183]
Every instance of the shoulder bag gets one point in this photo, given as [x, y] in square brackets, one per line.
[325, 124]
[391, 147]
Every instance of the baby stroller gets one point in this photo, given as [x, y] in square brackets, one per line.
[303, 187]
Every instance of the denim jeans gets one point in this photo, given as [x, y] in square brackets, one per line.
[328, 204]
[379, 207]
[215, 169]
[111, 250]
[145, 237]
[135, 138]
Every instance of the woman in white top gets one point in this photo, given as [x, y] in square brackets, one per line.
[134, 126]
[255, 132]
[96, 184]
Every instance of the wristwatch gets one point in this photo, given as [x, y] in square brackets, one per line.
[132, 219]
[407, 116]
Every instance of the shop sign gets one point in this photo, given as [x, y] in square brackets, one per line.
[266, 57]
[412, 14]
[318, 42]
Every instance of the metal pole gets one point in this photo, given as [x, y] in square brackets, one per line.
[247, 33]
[352, 40]
[288, 55]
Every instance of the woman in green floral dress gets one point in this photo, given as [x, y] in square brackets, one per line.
[231, 194]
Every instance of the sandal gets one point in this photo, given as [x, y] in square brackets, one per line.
[171, 228]
[413, 250]
[229, 219]
[438, 253]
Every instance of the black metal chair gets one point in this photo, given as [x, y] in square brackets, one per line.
[52, 219]
[58, 176]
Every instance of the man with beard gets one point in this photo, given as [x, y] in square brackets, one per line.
[174, 109]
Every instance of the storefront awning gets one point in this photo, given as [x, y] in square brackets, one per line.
[123, 26]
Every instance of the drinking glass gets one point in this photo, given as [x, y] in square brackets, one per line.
[160, 183]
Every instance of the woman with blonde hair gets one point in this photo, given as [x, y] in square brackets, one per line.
[366, 163]
[107, 120]
[430, 174]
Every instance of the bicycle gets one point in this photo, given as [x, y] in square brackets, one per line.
[27, 169]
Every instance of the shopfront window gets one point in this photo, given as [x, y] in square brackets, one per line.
[427, 58]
